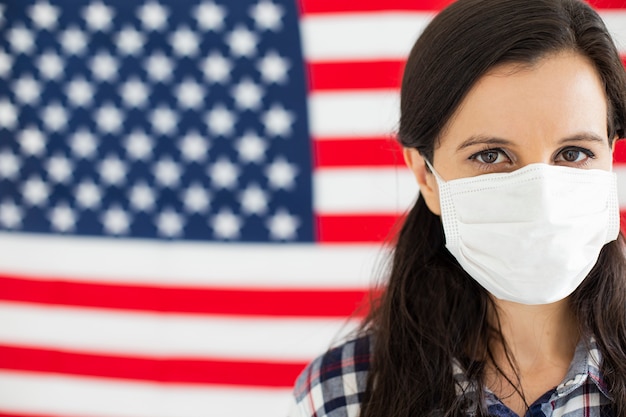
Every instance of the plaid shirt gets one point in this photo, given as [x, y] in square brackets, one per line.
[334, 383]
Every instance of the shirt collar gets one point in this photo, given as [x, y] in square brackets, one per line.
[585, 365]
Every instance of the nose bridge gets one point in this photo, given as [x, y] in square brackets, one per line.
[536, 152]
[549, 190]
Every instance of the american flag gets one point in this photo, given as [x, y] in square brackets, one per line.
[194, 195]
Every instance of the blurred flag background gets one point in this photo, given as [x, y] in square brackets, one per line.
[195, 195]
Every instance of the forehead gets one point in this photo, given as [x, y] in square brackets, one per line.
[558, 95]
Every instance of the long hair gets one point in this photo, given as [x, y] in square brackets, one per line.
[432, 312]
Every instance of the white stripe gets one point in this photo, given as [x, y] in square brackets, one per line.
[367, 190]
[350, 114]
[371, 36]
[188, 264]
[615, 21]
[346, 37]
[47, 394]
[167, 335]
[386, 190]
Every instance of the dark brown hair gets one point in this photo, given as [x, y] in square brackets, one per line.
[431, 311]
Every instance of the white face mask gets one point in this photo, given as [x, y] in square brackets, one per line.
[530, 236]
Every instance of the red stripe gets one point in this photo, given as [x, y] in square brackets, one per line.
[11, 414]
[349, 75]
[219, 301]
[339, 152]
[607, 4]
[354, 228]
[169, 370]
[383, 151]
[346, 6]
[369, 228]
[619, 154]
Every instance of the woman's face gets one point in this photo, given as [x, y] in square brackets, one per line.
[553, 112]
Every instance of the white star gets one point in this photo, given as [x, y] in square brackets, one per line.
[115, 221]
[159, 67]
[35, 192]
[267, 15]
[74, 40]
[98, 16]
[9, 165]
[220, 121]
[190, 94]
[88, 195]
[21, 39]
[184, 42]
[139, 146]
[54, 117]
[253, 200]
[167, 173]
[50, 65]
[79, 92]
[247, 94]
[251, 148]
[273, 68]
[194, 147]
[109, 118]
[130, 41]
[226, 225]
[281, 174]
[282, 225]
[59, 168]
[242, 42]
[216, 68]
[63, 218]
[27, 90]
[153, 15]
[112, 170]
[196, 198]
[32, 141]
[278, 121]
[169, 223]
[44, 15]
[104, 67]
[164, 120]
[6, 63]
[210, 16]
[10, 215]
[223, 173]
[134, 92]
[142, 197]
[83, 144]
[8, 115]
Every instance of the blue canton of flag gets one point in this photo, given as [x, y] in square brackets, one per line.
[139, 119]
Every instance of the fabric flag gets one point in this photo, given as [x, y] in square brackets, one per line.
[195, 195]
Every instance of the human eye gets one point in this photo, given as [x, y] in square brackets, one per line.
[575, 155]
[490, 156]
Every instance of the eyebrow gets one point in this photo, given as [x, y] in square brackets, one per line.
[584, 137]
[483, 140]
[494, 140]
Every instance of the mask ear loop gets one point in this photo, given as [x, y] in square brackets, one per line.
[435, 173]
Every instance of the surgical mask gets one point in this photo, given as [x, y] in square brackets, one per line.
[530, 236]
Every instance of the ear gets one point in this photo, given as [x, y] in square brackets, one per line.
[425, 179]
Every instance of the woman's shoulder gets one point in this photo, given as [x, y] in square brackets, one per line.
[334, 383]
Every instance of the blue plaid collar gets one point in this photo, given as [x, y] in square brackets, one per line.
[585, 366]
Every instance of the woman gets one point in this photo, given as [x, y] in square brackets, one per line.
[507, 292]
